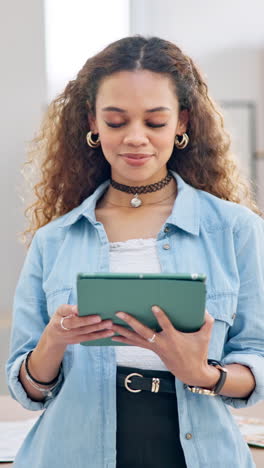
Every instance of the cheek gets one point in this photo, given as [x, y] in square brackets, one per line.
[109, 142]
[164, 141]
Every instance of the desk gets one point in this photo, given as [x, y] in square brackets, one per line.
[10, 410]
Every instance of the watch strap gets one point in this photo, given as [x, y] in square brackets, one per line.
[219, 384]
[223, 373]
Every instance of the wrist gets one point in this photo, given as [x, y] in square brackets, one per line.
[205, 387]
[47, 344]
[209, 377]
[45, 360]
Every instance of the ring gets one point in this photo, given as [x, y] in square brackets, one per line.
[61, 322]
[152, 339]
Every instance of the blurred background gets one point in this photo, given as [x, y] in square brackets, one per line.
[43, 43]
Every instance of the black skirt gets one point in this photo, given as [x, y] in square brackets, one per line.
[147, 426]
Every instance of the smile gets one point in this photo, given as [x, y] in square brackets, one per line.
[136, 155]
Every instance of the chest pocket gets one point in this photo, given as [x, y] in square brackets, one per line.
[223, 308]
[57, 298]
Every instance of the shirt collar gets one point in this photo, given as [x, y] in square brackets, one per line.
[186, 209]
[185, 213]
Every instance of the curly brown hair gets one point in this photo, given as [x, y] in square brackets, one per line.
[69, 170]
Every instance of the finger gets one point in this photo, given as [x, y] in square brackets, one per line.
[74, 309]
[132, 339]
[66, 309]
[208, 323]
[72, 321]
[162, 319]
[141, 344]
[126, 333]
[104, 325]
[129, 334]
[141, 329]
[91, 337]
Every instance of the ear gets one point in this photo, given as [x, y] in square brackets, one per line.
[182, 122]
[92, 123]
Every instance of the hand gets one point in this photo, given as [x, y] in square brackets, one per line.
[85, 328]
[184, 354]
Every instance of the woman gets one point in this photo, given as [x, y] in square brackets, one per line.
[136, 175]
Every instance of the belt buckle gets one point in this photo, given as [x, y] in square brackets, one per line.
[127, 381]
[154, 388]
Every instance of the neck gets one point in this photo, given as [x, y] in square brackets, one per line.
[122, 199]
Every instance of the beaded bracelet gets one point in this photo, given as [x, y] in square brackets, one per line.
[45, 391]
[32, 379]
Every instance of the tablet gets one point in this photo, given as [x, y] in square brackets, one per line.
[181, 296]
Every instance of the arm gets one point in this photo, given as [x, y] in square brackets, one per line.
[191, 349]
[240, 381]
[245, 341]
[185, 355]
[44, 365]
[30, 318]
[244, 348]
[46, 358]
[32, 329]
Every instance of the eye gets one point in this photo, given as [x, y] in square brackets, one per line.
[112, 125]
[149, 124]
[155, 125]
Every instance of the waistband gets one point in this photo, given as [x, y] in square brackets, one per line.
[135, 380]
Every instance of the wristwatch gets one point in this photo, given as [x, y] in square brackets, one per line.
[219, 384]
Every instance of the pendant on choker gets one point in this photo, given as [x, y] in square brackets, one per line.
[135, 202]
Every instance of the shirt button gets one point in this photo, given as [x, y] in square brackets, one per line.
[166, 229]
[188, 436]
[166, 246]
[233, 316]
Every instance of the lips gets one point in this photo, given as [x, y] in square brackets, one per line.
[136, 159]
[136, 155]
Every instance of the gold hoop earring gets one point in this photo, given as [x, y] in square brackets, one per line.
[90, 142]
[184, 141]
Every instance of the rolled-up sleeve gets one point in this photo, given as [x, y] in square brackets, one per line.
[30, 318]
[245, 343]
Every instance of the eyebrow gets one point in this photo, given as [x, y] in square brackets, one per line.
[117, 109]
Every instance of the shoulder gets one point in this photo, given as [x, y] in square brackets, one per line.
[218, 214]
[61, 225]
[56, 230]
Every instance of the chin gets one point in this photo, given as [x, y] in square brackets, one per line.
[139, 175]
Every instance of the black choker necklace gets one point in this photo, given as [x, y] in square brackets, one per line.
[135, 202]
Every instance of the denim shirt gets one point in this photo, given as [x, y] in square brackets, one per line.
[205, 234]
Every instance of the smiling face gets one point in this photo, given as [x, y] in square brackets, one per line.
[137, 118]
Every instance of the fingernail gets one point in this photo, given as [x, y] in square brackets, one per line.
[109, 325]
[74, 309]
[120, 315]
[155, 309]
[96, 320]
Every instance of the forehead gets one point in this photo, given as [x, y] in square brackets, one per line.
[137, 87]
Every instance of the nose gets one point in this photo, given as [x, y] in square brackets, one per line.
[136, 136]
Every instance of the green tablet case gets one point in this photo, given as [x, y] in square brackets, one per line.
[181, 296]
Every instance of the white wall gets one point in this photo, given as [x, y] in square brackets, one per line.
[226, 40]
[22, 97]
[90, 31]
[29, 78]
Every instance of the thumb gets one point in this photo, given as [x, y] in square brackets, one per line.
[74, 309]
[208, 323]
